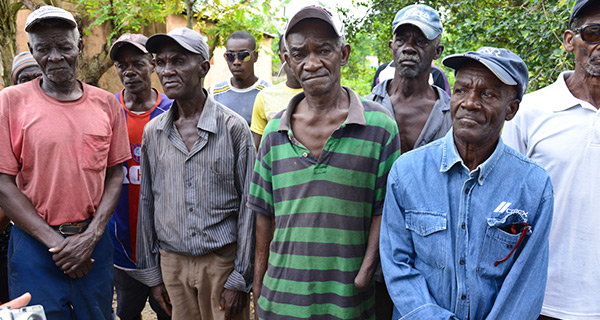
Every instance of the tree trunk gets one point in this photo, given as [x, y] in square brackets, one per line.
[8, 33]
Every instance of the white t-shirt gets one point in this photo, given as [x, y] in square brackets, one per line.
[562, 133]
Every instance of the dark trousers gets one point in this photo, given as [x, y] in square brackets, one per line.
[384, 307]
[31, 269]
[132, 296]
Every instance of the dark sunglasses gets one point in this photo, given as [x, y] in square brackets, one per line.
[590, 33]
[241, 55]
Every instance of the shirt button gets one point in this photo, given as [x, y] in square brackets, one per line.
[467, 190]
[191, 209]
[509, 246]
[189, 184]
[462, 262]
[463, 297]
[193, 234]
[305, 154]
[463, 225]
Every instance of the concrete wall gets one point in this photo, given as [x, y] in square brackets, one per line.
[109, 81]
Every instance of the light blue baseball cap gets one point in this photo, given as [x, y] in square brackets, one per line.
[423, 17]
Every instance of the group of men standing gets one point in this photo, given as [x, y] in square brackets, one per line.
[326, 220]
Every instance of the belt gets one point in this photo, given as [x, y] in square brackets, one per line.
[72, 228]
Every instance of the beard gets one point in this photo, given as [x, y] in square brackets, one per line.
[592, 66]
[409, 71]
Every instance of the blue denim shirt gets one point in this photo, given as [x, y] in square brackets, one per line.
[448, 234]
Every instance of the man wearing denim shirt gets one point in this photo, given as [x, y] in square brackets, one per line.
[466, 219]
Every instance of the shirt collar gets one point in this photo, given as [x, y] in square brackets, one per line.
[208, 117]
[356, 111]
[562, 98]
[451, 157]
[443, 100]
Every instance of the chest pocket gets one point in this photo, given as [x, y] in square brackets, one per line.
[429, 236]
[95, 152]
[497, 255]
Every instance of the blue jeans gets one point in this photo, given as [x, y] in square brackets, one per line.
[31, 269]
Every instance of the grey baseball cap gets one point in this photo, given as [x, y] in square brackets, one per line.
[49, 12]
[316, 12]
[136, 40]
[187, 38]
[421, 16]
[505, 65]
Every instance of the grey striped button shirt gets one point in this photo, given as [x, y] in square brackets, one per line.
[193, 202]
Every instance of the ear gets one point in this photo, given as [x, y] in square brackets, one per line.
[390, 46]
[345, 54]
[438, 52]
[30, 48]
[569, 40]
[255, 56]
[80, 45]
[204, 68]
[513, 107]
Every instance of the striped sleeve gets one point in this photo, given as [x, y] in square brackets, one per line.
[261, 188]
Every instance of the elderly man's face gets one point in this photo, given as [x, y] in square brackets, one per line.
[587, 55]
[180, 72]
[412, 51]
[134, 68]
[56, 50]
[28, 74]
[315, 56]
[480, 104]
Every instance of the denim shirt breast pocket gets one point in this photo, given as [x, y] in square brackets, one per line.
[498, 251]
[429, 236]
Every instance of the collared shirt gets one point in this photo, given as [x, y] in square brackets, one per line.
[562, 134]
[438, 122]
[194, 202]
[322, 209]
[447, 235]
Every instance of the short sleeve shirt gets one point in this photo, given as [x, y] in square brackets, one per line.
[59, 150]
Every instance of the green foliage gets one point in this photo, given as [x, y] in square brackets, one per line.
[532, 29]
[124, 15]
[219, 19]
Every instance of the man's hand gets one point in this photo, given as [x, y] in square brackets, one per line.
[362, 280]
[233, 302]
[160, 294]
[19, 302]
[73, 254]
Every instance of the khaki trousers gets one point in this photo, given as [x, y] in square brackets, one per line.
[195, 284]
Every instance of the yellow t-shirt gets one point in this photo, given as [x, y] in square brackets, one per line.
[268, 103]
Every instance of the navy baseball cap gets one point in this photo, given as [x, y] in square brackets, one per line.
[422, 16]
[504, 64]
[578, 7]
[187, 38]
[317, 12]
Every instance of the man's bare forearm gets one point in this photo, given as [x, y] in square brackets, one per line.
[110, 198]
[264, 236]
[22, 212]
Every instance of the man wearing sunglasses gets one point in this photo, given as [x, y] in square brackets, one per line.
[239, 92]
[558, 128]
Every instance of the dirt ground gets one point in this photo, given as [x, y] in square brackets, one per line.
[148, 314]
